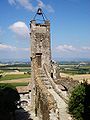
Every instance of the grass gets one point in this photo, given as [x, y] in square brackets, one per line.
[75, 70]
[12, 68]
[1, 71]
[15, 84]
[15, 76]
[20, 84]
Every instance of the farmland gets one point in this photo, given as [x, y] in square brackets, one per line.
[77, 70]
[18, 74]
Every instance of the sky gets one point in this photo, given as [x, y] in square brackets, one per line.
[70, 28]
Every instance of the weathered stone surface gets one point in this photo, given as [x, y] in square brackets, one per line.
[45, 105]
[40, 43]
[45, 92]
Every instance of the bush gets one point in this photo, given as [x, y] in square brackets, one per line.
[8, 100]
[79, 102]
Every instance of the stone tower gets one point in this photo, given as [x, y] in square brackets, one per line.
[40, 41]
[40, 47]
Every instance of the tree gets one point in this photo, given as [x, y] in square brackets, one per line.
[79, 102]
[8, 100]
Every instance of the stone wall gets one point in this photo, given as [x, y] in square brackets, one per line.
[68, 83]
[45, 105]
[55, 86]
[41, 99]
[40, 42]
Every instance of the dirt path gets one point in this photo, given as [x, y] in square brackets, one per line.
[16, 80]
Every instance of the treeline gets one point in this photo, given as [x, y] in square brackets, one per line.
[76, 70]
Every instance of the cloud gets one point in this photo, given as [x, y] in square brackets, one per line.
[69, 52]
[86, 48]
[20, 29]
[26, 4]
[13, 52]
[29, 6]
[45, 6]
[11, 2]
[72, 49]
[5, 47]
[66, 48]
[49, 8]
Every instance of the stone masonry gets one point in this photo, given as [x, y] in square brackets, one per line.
[40, 48]
[40, 43]
[47, 100]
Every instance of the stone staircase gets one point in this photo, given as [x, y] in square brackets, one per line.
[61, 104]
[45, 79]
[53, 90]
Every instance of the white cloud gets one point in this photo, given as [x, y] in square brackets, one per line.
[26, 4]
[29, 6]
[72, 49]
[71, 52]
[66, 48]
[40, 4]
[12, 52]
[5, 47]
[11, 2]
[45, 6]
[86, 48]
[24, 49]
[21, 29]
[49, 8]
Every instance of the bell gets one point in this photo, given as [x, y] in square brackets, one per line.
[39, 11]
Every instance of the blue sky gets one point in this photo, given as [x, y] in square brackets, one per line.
[70, 28]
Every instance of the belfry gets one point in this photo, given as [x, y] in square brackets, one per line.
[40, 40]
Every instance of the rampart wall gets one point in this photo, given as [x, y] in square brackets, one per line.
[45, 105]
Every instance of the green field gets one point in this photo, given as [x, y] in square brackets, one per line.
[14, 84]
[6, 69]
[12, 69]
[75, 69]
[14, 76]
[15, 67]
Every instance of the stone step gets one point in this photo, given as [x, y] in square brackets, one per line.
[45, 79]
[47, 83]
[42, 76]
[48, 86]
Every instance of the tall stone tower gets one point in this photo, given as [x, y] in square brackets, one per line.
[40, 40]
[40, 47]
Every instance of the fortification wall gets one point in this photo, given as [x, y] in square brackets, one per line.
[45, 105]
[55, 86]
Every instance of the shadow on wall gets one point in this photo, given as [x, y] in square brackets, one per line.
[21, 114]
